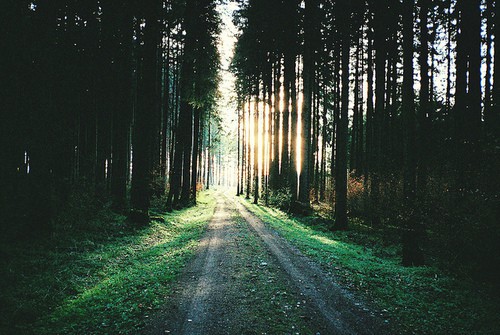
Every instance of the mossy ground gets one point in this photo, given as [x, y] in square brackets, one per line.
[103, 278]
[419, 300]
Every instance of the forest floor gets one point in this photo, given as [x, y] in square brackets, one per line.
[227, 266]
[246, 279]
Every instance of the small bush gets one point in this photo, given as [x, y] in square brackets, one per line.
[280, 198]
[158, 203]
[355, 195]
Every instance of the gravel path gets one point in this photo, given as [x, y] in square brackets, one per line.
[246, 279]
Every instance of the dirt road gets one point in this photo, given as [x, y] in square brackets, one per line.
[246, 279]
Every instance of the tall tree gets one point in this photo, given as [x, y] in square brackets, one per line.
[256, 150]
[121, 30]
[290, 76]
[308, 77]
[341, 221]
[380, 9]
[467, 110]
[143, 116]
[411, 250]
[423, 117]
[494, 120]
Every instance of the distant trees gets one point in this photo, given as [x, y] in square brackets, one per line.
[388, 110]
[390, 90]
[198, 85]
[104, 96]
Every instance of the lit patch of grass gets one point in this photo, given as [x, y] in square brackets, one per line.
[105, 282]
[420, 300]
[324, 240]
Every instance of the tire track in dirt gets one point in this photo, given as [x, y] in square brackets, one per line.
[343, 314]
[245, 279]
[234, 286]
[199, 308]
[200, 287]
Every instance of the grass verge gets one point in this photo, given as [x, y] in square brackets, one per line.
[418, 300]
[106, 279]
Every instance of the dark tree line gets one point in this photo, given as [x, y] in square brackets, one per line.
[112, 97]
[388, 110]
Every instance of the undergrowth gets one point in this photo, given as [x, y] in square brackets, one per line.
[418, 300]
[104, 277]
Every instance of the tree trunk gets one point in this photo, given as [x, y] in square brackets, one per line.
[238, 170]
[341, 221]
[166, 115]
[141, 164]
[122, 110]
[286, 167]
[487, 78]
[274, 173]
[308, 78]
[248, 150]
[493, 124]
[379, 9]
[187, 134]
[256, 151]
[423, 118]
[468, 91]
[293, 175]
[324, 134]
[209, 153]
[244, 149]
[412, 255]
[353, 165]
[194, 159]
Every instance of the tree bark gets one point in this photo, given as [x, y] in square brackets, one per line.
[341, 221]
[412, 255]
[141, 164]
[256, 151]
[379, 9]
[423, 118]
[194, 159]
[308, 79]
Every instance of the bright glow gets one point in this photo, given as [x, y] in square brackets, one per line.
[320, 148]
[26, 162]
[324, 240]
[226, 104]
[300, 100]
[259, 142]
[281, 111]
[106, 169]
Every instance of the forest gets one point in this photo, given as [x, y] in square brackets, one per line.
[379, 119]
[111, 98]
[387, 111]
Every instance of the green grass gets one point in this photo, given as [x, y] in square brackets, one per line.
[106, 279]
[419, 300]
